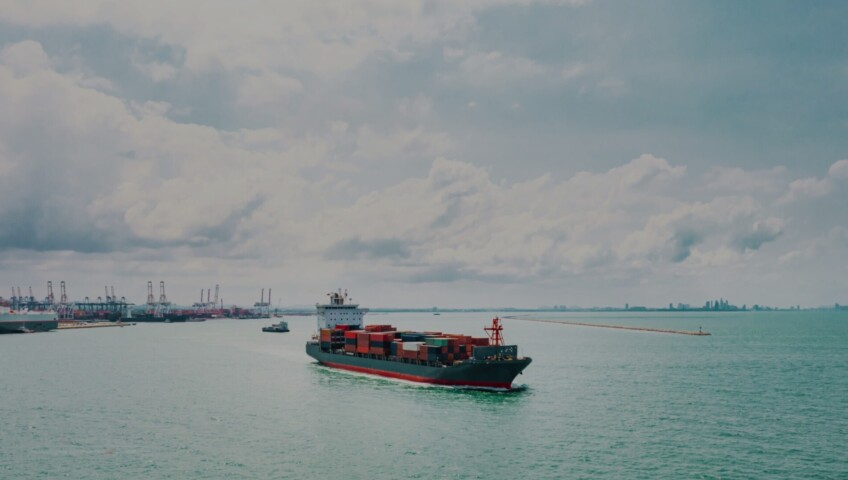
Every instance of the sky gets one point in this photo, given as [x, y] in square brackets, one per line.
[427, 153]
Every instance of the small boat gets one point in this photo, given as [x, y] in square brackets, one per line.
[277, 327]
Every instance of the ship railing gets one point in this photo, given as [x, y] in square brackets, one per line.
[392, 358]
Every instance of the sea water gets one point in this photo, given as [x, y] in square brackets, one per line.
[765, 396]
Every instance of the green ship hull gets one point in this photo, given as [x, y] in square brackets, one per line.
[492, 374]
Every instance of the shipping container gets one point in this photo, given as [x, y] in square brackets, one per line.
[437, 341]
[412, 337]
[377, 351]
[414, 346]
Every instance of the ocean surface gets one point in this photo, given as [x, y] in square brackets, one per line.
[766, 396]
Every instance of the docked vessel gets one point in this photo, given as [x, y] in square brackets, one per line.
[429, 357]
[25, 321]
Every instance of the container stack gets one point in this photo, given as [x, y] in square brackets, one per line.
[409, 350]
[331, 339]
[380, 343]
[350, 340]
[386, 341]
[379, 328]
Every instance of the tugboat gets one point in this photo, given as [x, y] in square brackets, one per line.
[277, 327]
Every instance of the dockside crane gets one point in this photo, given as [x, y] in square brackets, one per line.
[150, 299]
[50, 299]
[163, 300]
[65, 310]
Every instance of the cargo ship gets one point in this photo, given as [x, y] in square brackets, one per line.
[26, 321]
[344, 342]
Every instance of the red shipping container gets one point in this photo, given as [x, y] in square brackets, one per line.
[378, 328]
[350, 348]
[383, 337]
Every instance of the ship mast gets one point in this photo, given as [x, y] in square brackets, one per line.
[494, 332]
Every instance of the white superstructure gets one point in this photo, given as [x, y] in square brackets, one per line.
[339, 312]
[9, 315]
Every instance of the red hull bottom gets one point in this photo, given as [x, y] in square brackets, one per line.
[415, 378]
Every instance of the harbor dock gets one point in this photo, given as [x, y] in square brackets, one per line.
[75, 325]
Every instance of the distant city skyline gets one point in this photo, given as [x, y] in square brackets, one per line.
[427, 153]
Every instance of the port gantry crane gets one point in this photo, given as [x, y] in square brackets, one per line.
[263, 308]
[50, 300]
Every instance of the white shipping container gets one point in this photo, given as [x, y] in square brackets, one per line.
[412, 346]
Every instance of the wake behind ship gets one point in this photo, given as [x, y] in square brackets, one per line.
[427, 357]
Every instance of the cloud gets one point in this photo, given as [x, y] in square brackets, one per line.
[392, 146]
[268, 90]
[762, 231]
[807, 188]
[118, 176]
[815, 188]
[325, 39]
[407, 142]
[356, 248]
[574, 71]
[157, 71]
[735, 179]
[671, 236]
[465, 227]
[839, 170]
[25, 57]
[495, 68]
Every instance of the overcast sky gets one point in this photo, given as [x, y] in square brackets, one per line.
[421, 153]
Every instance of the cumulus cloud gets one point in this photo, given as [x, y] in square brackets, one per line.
[157, 71]
[761, 231]
[735, 179]
[302, 158]
[400, 143]
[467, 227]
[356, 248]
[495, 68]
[24, 57]
[323, 38]
[839, 170]
[268, 90]
[814, 187]
[117, 175]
